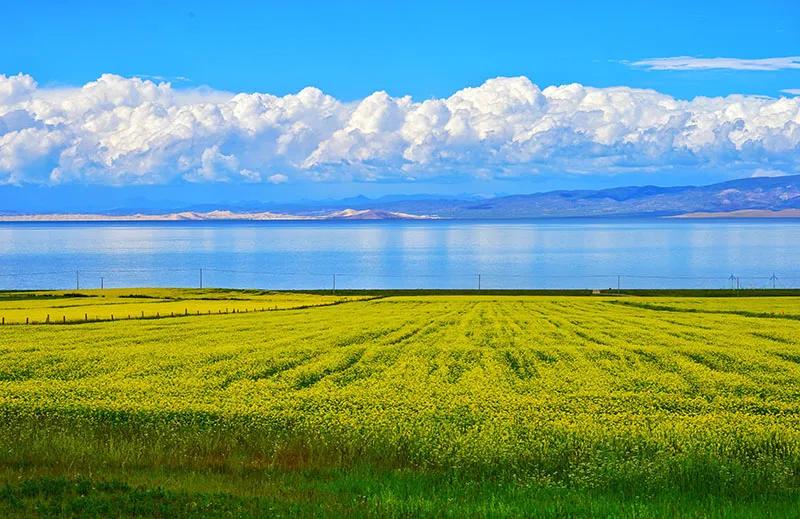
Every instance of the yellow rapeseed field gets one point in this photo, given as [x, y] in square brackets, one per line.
[126, 303]
[589, 392]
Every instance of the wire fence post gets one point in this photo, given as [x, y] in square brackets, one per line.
[371, 281]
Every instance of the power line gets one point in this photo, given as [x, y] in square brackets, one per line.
[361, 279]
[23, 274]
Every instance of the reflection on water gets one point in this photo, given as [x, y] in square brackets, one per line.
[518, 254]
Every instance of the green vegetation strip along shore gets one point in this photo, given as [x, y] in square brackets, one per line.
[419, 405]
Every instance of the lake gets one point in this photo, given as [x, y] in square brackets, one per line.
[564, 253]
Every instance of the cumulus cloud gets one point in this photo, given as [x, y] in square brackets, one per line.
[695, 63]
[118, 130]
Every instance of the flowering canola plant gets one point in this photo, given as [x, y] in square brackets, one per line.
[589, 391]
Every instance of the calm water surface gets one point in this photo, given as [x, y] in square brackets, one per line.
[506, 254]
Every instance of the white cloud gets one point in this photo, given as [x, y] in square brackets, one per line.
[277, 178]
[759, 173]
[695, 63]
[127, 130]
[15, 88]
[215, 165]
[791, 91]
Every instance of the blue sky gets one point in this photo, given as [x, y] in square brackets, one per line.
[426, 50]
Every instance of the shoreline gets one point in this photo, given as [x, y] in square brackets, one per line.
[369, 215]
[216, 216]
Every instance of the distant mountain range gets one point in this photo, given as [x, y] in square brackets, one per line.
[188, 216]
[750, 197]
[768, 196]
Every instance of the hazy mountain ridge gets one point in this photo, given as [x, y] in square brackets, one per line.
[193, 216]
[771, 194]
[757, 197]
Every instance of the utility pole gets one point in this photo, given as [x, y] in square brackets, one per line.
[334, 283]
[773, 278]
[77, 280]
[619, 278]
[101, 283]
[732, 278]
[201, 278]
[479, 281]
